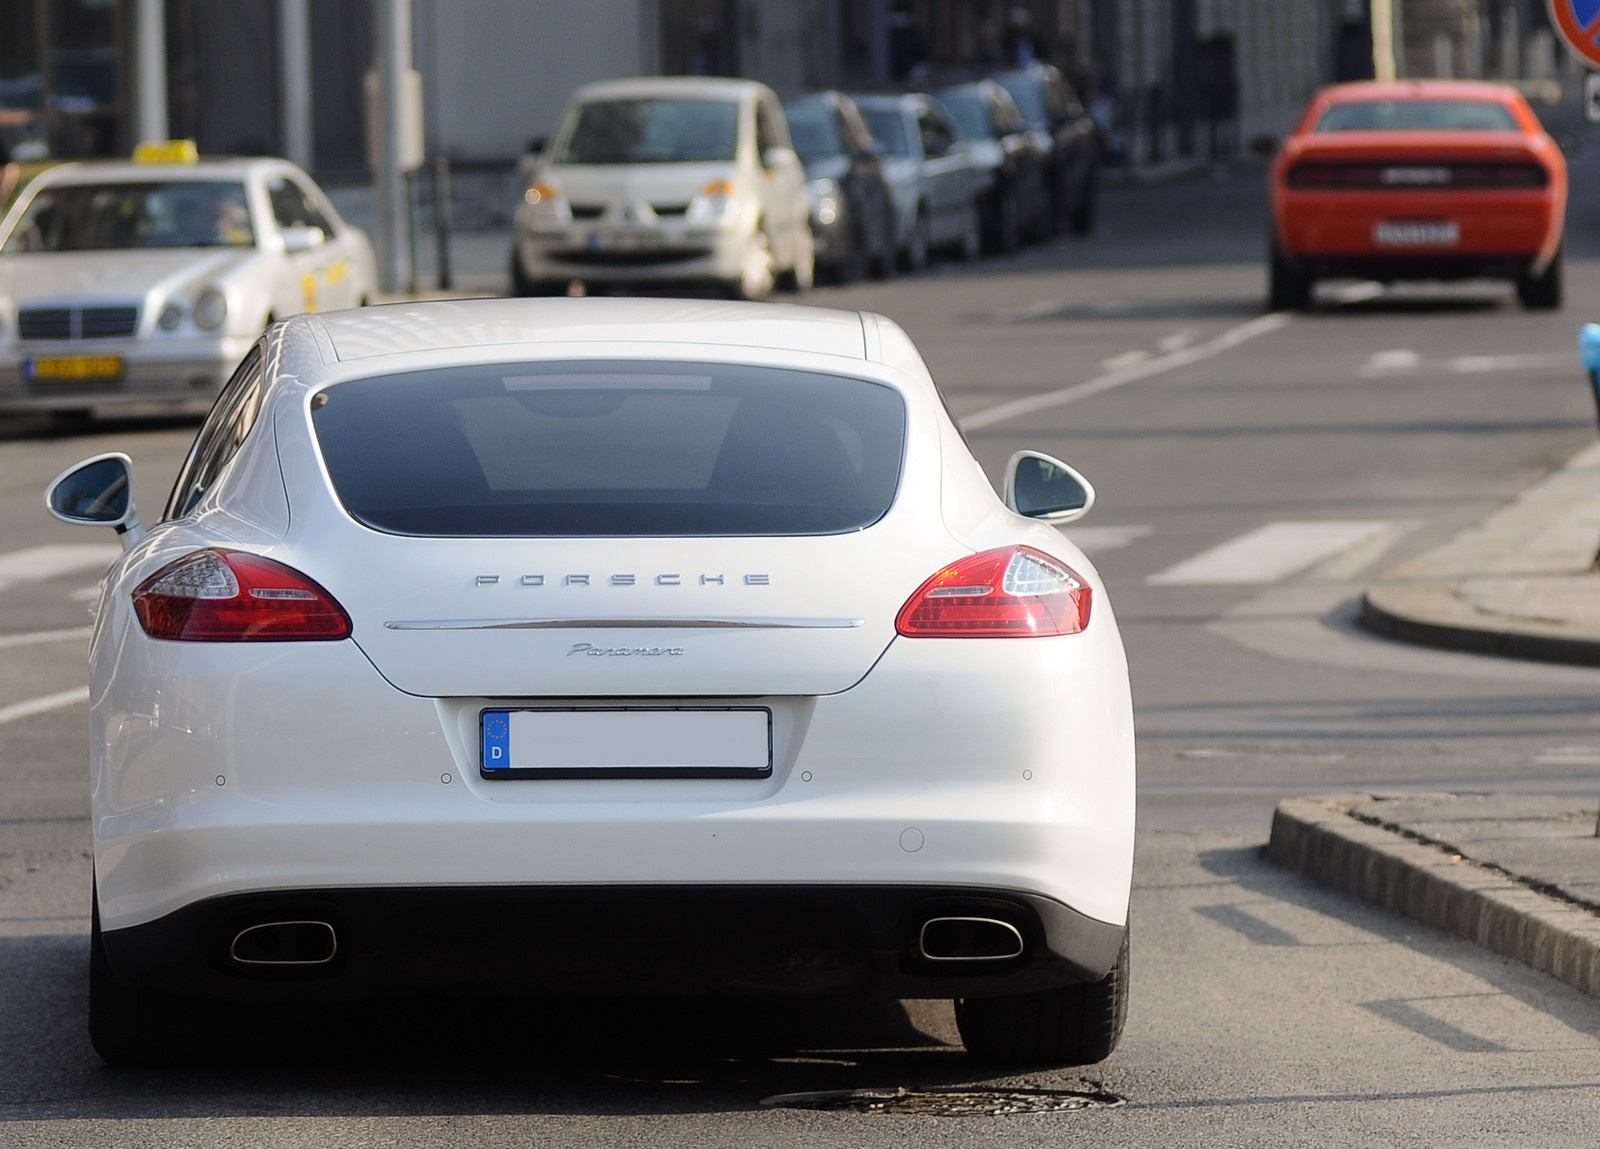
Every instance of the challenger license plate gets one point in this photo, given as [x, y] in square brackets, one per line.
[71, 368]
[627, 742]
[1417, 233]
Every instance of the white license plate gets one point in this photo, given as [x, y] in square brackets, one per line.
[627, 742]
[1431, 233]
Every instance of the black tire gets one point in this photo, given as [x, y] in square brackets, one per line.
[129, 1029]
[1005, 223]
[1288, 288]
[1076, 1025]
[1542, 292]
[1080, 219]
[915, 255]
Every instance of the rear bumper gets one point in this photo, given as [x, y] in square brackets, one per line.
[609, 940]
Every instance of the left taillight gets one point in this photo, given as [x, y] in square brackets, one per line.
[233, 596]
[1011, 592]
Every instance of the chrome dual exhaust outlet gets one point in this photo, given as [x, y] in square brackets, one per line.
[280, 945]
[958, 939]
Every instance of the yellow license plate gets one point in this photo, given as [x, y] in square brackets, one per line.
[53, 368]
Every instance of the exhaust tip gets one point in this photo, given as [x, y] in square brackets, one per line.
[957, 939]
[280, 944]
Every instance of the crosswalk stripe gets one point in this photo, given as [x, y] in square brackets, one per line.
[35, 564]
[43, 705]
[1269, 553]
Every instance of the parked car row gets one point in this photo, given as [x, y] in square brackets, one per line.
[677, 180]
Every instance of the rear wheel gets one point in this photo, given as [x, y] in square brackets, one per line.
[915, 255]
[1288, 288]
[1076, 1025]
[127, 1028]
[1542, 292]
[1005, 223]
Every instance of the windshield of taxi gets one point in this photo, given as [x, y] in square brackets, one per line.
[134, 216]
[652, 131]
[1417, 116]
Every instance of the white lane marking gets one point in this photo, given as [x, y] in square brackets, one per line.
[1227, 341]
[1038, 309]
[1268, 553]
[1093, 540]
[10, 640]
[1177, 341]
[43, 705]
[1390, 363]
[38, 563]
[1569, 756]
[1125, 360]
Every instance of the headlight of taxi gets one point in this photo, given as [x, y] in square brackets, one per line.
[715, 203]
[210, 309]
[824, 201]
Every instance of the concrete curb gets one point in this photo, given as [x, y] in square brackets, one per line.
[1321, 838]
[1426, 615]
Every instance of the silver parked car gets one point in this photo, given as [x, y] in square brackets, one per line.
[666, 180]
[933, 177]
[136, 286]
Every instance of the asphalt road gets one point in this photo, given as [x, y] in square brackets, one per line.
[1265, 1010]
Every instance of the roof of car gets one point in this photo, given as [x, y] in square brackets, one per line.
[114, 171]
[1364, 90]
[412, 327]
[693, 87]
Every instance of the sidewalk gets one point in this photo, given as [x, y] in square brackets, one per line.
[1519, 875]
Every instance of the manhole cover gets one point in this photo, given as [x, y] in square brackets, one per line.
[947, 1102]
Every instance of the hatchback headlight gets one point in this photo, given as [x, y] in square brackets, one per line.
[824, 201]
[714, 204]
[210, 309]
[548, 204]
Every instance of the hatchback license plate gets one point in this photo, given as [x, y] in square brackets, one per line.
[627, 742]
[68, 368]
[1440, 233]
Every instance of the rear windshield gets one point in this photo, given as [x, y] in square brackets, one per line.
[618, 449]
[652, 131]
[1417, 116]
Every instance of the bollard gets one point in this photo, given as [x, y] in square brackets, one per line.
[441, 219]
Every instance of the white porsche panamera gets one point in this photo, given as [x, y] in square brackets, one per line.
[599, 646]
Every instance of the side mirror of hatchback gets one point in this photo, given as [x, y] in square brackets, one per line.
[1044, 488]
[97, 492]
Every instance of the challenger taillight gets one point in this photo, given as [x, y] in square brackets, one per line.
[1012, 592]
[231, 596]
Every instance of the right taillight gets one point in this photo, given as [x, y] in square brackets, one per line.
[1011, 592]
[233, 596]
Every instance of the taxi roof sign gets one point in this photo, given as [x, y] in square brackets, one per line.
[1578, 21]
[166, 152]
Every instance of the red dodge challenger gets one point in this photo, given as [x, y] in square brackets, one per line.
[1418, 180]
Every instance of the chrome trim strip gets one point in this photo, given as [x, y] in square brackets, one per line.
[628, 624]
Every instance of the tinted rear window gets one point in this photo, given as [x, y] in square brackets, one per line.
[1417, 116]
[619, 449]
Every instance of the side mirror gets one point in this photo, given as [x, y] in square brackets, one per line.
[97, 492]
[1047, 489]
[298, 239]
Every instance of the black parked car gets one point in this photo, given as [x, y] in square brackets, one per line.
[852, 213]
[1017, 207]
[1070, 138]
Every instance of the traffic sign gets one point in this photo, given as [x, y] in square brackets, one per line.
[1591, 97]
[1578, 21]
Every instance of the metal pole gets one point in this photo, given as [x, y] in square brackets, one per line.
[1383, 63]
[151, 74]
[294, 79]
[393, 32]
[441, 219]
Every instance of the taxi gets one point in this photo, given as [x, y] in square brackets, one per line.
[138, 286]
[1418, 180]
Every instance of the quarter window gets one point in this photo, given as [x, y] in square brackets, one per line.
[220, 436]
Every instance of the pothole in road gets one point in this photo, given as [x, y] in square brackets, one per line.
[948, 1102]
